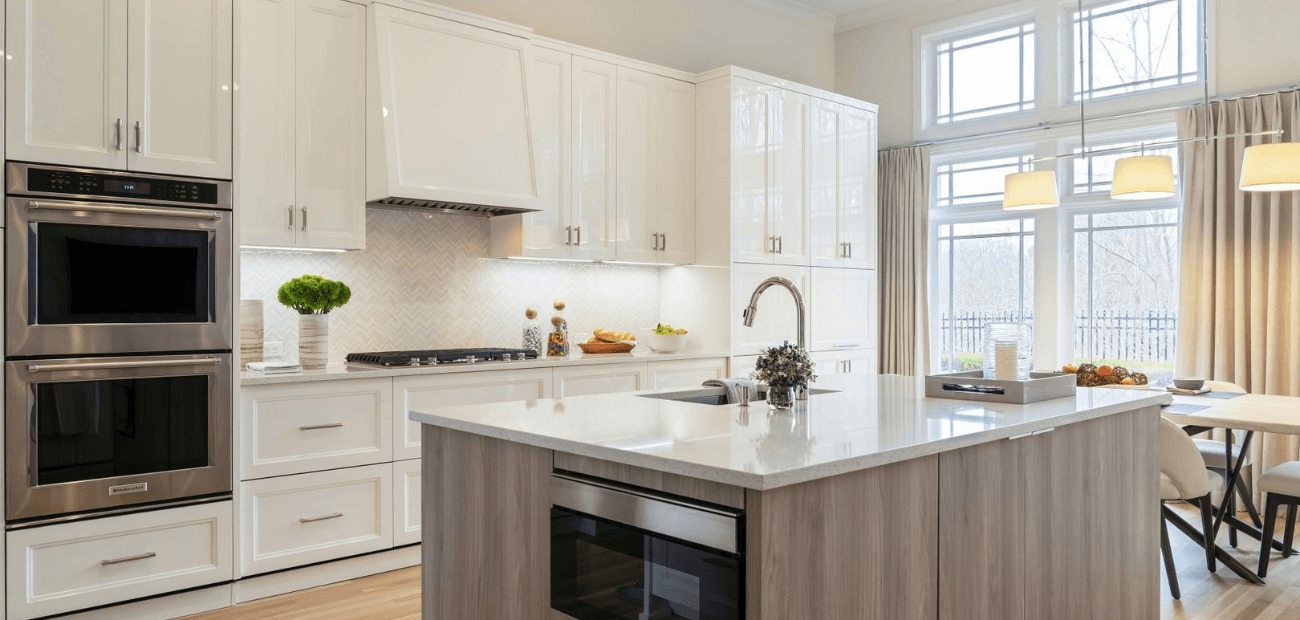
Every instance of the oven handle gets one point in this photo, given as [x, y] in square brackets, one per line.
[196, 214]
[646, 510]
[116, 365]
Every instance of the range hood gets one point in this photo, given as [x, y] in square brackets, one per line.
[447, 109]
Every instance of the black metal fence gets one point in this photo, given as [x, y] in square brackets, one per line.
[1142, 337]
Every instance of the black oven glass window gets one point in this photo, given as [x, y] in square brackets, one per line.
[115, 274]
[86, 430]
[604, 571]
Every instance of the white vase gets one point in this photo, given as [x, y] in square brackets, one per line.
[250, 331]
[313, 340]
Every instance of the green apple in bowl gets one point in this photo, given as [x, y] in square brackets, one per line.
[664, 338]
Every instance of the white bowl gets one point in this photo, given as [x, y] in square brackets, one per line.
[1189, 383]
[664, 343]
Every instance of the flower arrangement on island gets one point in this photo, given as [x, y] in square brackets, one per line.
[785, 369]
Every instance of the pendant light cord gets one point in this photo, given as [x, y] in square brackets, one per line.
[1083, 120]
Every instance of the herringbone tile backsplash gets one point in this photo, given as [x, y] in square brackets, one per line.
[423, 282]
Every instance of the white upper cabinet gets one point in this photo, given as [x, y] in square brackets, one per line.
[656, 169]
[66, 82]
[548, 233]
[139, 85]
[593, 197]
[843, 173]
[844, 315]
[770, 151]
[777, 313]
[302, 134]
[451, 101]
[179, 80]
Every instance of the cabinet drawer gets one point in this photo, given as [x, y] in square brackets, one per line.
[685, 373]
[299, 428]
[601, 379]
[308, 518]
[460, 388]
[61, 568]
[406, 502]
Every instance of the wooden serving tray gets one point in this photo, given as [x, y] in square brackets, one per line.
[606, 347]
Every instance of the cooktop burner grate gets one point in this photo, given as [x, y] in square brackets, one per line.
[439, 356]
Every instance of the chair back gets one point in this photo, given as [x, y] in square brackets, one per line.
[1181, 461]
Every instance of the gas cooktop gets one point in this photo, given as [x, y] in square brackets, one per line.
[439, 356]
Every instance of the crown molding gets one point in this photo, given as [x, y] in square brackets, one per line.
[794, 9]
[884, 11]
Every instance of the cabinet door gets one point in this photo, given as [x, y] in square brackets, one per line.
[637, 158]
[685, 373]
[265, 173]
[593, 174]
[546, 233]
[179, 69]
[775, 323]
[790, 188]
[600, 379]
[66, 82]
[421, 393]
[824, 178]
[751, 170]
[331, 107]
[406, 502]
[844, 309]
[674, 208]
[858, 188]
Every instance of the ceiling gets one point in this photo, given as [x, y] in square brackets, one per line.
[843, 15]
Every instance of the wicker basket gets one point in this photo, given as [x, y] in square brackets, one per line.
[606, 347]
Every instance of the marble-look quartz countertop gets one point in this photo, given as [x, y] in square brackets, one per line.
[350, 371]
[869, 422]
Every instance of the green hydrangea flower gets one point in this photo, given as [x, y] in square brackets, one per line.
[313, 294]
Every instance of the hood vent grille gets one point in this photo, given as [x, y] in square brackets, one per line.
[455, 208]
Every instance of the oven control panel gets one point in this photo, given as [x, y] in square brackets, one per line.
[108, 185]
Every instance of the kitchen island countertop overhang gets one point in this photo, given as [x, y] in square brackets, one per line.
[866, 421]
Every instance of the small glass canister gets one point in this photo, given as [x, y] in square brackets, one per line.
[1008, 351]
[533, 333]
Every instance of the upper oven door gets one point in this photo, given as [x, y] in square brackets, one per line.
[100, 278]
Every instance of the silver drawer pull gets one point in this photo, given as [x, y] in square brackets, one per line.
[316, 427]
[1020, 436]
[320, 518]
[132, 558]
[117, 365]
[1045, 431]
[197, 214]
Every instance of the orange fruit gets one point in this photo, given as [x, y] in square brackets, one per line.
[1105, 371]
[1128, 381]
[1070, 368]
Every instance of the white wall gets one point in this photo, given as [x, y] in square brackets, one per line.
[1255, 40]
[690, 35]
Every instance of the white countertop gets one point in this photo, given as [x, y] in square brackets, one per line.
[872, 421]
[348, 371]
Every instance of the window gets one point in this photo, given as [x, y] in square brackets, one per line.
[1093, 173]
[1126, 289]
[985, 275]
[984, 75]
[975, 182]
[1136, 45]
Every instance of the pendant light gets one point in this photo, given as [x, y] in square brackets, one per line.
[1271, 168]
[1035, 189]
[1143, 177]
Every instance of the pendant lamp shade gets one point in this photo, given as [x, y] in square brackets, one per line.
[1035, 189]
[1271, 168]
[1145, 177]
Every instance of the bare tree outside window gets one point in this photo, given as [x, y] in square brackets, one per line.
[1135, 45]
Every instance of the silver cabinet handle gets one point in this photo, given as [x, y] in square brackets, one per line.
[304, 219]
[132, 558]
[568, 235]
[577, 230]
[139, 146]
[663, 242]
[117, 365]
[290, 207]
[656, 238]
[198, 214]
[780, 245]
[1020, 436]
[1044, 431]
[120, 137]
[333, 515]
[771, 245]
[316, 427]
[850, 249]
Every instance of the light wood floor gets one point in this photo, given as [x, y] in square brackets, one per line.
[1206, 596]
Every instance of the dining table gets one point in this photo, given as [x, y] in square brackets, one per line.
[1230, 408]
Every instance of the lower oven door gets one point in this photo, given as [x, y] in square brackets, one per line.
[96, 433]
[610, 559]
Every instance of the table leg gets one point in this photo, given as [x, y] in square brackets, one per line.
[1224, 558]
[1233, 475]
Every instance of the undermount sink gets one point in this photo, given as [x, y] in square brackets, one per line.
[716, 396]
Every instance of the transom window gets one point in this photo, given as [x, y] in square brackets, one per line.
[985, 75]
[1136, 45]
[975, 182]
[1093, 173]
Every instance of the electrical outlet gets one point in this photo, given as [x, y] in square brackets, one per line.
[272, 350]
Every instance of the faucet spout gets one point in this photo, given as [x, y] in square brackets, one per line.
[752, 309]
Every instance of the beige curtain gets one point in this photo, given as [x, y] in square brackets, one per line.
[1239, 295]
[904, 202]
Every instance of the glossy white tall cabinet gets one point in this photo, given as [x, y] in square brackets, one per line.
[843, 175]
[141, 85]
[302, 124]
[770, 150]
[656, 169]
[844, 309]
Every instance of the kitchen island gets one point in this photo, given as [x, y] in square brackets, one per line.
[867, 501]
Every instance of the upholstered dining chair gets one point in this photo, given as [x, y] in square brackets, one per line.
[1184, 477]
[1213, 451]
[1281, 487]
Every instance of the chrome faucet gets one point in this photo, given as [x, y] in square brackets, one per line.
[752, 309]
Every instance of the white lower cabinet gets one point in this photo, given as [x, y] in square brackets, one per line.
[406, 502]
[415, 393]
[295, 520]
[66, 567]
[600, 379]
[859, 361]
[843, 306]
[295, 428]
[685, 373]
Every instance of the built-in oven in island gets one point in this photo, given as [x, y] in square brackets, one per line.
[626, 553]
[98, 433]
[109, 263]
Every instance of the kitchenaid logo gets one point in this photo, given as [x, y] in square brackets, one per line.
[123, 489]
